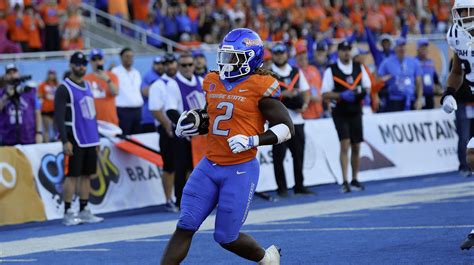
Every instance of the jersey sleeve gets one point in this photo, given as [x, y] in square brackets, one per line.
[271, 88]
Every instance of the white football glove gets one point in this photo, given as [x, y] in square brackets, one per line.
[186, 130]
[240, 143]
[449, 104]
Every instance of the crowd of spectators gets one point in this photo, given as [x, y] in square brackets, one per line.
[40, 25]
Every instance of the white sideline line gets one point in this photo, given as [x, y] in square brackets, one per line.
[318, 208]
[389, 208]
[17, 260]
[83, 250]
[344, 215]
[285, 223]
[358, 228]
[147, 240]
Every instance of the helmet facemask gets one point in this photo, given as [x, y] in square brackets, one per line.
[464, 18]
[233, 63]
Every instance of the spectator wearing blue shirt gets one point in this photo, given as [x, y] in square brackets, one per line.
[402, 76]
[170, 24]
[184, 22]
[151, 27]
[148, 122]
[431, 84]
[386, 43]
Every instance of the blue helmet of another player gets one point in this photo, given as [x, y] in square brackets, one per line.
[240, 53]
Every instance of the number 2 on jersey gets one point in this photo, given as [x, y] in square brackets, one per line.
[229, 108]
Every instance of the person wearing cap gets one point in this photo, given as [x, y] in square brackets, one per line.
[129, 100]
[158, 98]
[104, 85]
[156, 71]
[46, 91]
[311, 73]
[200, 64]
[386, 42]
[19, 100]
[321, 60]
[188, 95]
[402, 75]
[431, 84]
[75, 118]
[295, 96]
[346, 83]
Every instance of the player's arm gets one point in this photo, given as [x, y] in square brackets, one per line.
[455, 79]
[281, 127]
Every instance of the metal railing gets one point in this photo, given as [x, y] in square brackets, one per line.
[120, 25]
[49, 55]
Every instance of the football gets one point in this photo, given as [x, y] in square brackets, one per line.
[199, 118]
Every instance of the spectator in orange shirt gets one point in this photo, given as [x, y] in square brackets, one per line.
[140, 10]
[17, 28]
[33, 24]
[46, 92]
[51, 15]
[315, 106]
[119, 8]
[104, 86]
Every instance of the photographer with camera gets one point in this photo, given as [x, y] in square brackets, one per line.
[20, 116]
[295, 96]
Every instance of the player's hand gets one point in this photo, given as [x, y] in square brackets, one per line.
[185, 130]
[240, 143]
[449, 104]
[67, 148]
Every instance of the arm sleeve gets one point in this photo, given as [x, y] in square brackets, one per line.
[61, 98]
[436, 78]
[272, 90]
[328, 81]
[373, 47]
[382, 71]
[173, 99]
[303, 82]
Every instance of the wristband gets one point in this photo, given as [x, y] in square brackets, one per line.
[450, 91]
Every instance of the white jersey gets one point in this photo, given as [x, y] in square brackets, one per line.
[462, 44]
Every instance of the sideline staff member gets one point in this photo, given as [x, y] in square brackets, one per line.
[347, 83]
[75, 117]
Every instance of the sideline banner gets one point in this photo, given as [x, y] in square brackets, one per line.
[123, 181]
[398, 144]
[19, 201]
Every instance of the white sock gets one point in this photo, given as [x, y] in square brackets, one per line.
[265, 258]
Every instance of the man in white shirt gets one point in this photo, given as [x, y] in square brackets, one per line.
[129, 100]
[295, 96]
[346, 83]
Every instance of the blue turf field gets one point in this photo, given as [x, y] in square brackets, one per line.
[419, 220]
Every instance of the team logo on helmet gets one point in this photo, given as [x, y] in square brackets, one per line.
[254, 42]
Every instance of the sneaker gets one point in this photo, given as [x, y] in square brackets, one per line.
[345, 187]
[465, 173]
[171, 207]
[357, 185]
[71, 219]
[87, 217]
[303, 191]
[272, 256]
[469, 242]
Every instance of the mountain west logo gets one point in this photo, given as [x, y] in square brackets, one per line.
[371, 158]
[51, 176]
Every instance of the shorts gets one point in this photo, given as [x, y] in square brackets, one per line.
[349, 127]
[83, 162]
[230, 187]
[167, 145]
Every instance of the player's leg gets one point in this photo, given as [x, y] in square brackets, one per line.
[199, 199]
[235, 196]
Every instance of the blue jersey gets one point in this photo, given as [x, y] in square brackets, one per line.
[149, 78]
[401, 85]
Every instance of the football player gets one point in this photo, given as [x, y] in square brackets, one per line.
[461, 39]
[240, 97]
